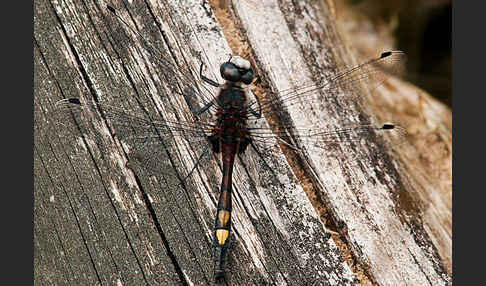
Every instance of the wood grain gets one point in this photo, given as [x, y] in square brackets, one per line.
[98, 221]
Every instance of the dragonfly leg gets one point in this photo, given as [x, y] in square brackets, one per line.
[199, 160]
[206, 79]
[204, 108]
[210, 82]
[257, 113]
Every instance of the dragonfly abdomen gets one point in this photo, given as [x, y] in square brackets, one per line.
[222, 226]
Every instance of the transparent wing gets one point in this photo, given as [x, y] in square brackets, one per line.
[349, 82]
[346, 137]
[151, 142]
[183, 78]
[370, 74]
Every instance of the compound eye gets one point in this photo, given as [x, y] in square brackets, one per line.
[247, 77]
[230, 72]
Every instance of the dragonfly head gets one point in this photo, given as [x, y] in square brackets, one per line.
[237, 69]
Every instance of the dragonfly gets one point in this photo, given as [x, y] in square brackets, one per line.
[224, 125]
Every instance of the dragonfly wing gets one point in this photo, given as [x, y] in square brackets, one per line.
[153, 145]
[349, 138]
[369, 75]
[181, 76]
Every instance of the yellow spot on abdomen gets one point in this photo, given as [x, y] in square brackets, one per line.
[222, 235]
[223, 217]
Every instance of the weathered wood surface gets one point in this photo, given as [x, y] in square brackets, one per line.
[96, 223]
[397, 213]
[427, 158]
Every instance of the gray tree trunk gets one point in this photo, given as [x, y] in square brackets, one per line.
[98, 222]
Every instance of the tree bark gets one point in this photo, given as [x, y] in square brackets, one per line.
[98, 222]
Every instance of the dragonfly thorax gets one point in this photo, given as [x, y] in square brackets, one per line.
[231, 124]
[232, 97]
